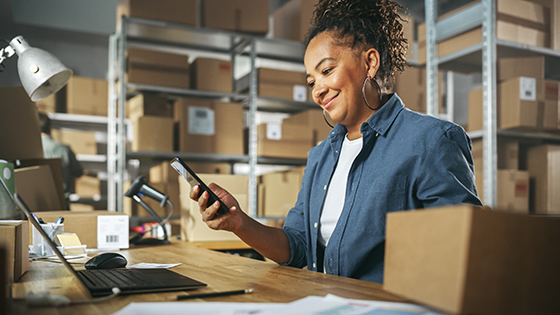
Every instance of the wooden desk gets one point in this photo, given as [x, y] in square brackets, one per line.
[272, 283]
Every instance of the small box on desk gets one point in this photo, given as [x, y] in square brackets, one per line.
[83, 223]
[14, 238]
[465, 260]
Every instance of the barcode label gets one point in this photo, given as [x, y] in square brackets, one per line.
[112, 238]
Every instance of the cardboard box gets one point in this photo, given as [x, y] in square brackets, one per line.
[47, 105]
[278, 83]
[512, 191]
[80, 141]
[293, 19]
[212, 75]
[149, 104]
[314, 120]
[207, 126]
[14, 238]
[19, 124]
[464, 260]
[508, 153]
[193, 229]
[249, 16]
[554, 7]
[36, 185]
[158, 68]
[88, 186]
[543, 163]
[83, 223]
[285, 141]
[174, 11]
[528, 103]
[533, 67]
[153, 133]
[86, 96]
[410, 86]
[516, 21]
[277, 193]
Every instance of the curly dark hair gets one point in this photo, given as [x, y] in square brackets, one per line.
[368, 24]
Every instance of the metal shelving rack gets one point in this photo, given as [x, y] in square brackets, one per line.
[481, 56]
[142, 32]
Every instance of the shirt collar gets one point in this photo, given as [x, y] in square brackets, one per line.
[379, 122]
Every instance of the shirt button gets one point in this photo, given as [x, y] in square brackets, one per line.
[377, 134]
[315, 225]
[314, 265]
[325, 188]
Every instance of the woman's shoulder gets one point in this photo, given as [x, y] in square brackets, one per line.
[422, 124]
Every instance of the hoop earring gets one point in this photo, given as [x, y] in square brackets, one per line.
[325, 117]
[378, 92]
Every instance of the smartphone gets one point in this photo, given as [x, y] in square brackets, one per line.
[190, 176]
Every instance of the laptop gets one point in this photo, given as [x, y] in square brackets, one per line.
[100, 282]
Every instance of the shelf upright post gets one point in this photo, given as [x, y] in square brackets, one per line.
[253, 130]
[121, 127]
[489, 52]
[112, 122]
[431, 58]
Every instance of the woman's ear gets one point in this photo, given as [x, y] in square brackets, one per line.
[372, 61]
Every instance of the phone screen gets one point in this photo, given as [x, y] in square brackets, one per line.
[190, 176]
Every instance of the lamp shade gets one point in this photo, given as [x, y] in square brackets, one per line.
[41, 73]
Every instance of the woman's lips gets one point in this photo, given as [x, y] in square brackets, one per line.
[328, 102]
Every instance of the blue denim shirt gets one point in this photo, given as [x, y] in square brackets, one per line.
[408, 161]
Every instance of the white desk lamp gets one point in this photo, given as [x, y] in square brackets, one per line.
[40, 72]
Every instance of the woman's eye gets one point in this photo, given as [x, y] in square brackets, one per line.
[326, 71]
[311, 84]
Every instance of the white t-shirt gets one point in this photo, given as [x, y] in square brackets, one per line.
[336, 193]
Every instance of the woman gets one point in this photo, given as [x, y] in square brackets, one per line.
[380, 157]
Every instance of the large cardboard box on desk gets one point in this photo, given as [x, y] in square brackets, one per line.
[206, 126]
[83, 223]
[193, 229]
[19, 125]
[158, 68]
[85, 96]
[248, 16]
[40, 184]
[464, 260]
[14, 238]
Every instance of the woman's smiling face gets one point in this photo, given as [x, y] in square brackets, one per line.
[335, 73]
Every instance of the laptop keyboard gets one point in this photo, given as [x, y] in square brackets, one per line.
[118, 278]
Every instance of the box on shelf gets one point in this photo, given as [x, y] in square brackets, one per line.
[85, 96]
[278, 83]
[516, 21]
[88, 186]
[554, 7]
[525, 102]
[47, 105]
[80, 141]
[158, 68]
[14, 238]
[193, 229]
[19, 125]
[212, 75]
[148, 104]
[314, 120]
[508, 154]
[248, 16]
[465, 260]
[543, 164]
[277, 192]
[83, 223]
[174, 11]
[293, 19]
[512, 191]
[152, 133]
[533, 67]
[207, 126]
[282, 141]
[410, 86]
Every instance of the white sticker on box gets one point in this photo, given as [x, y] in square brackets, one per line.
[201, 121]
[527, 89]
[274, 131]
[112, 231]
[300, 93]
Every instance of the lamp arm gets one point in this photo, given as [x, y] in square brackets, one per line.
[6, 53]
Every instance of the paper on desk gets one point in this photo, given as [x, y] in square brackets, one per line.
[196, 308]
[153, 266]
[329, 304]
[332, 304]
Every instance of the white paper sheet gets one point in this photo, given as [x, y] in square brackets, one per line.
[196, 308]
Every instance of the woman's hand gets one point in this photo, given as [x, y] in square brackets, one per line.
[230, 221]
